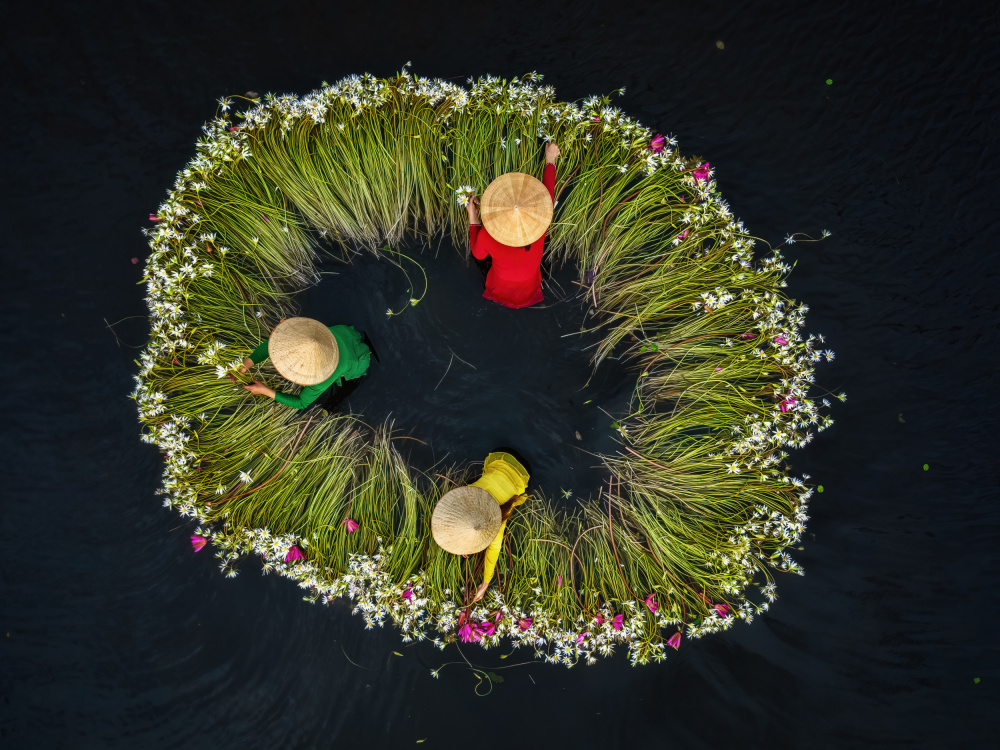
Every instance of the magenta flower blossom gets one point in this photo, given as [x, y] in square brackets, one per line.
[294, 553]
[198, 542]
[722, 609]
[488, 628]
[701, 173]
[618, 622]
[599, 619]
[674, 641]
[265, 217]
[717, 369]
[656, 145]
[498, 617]
[746, 336]
[466, 634]
[524, 623]
[408, 594]
[781, 340]
[559, 581]
[579, 638]
[787, 404]
[135, 261]
[683, 235]
[651, 604]
[351, 525]
[154, 217]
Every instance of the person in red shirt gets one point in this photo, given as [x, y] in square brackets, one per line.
[515, 276]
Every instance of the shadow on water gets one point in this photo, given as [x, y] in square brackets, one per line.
[466, 376]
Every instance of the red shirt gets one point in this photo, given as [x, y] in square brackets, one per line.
[515, 278]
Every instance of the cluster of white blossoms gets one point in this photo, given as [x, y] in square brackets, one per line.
[181, 252]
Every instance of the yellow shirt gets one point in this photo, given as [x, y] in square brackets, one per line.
[504, 478]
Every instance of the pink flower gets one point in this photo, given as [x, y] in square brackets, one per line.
[408, 594]
[597, 118]
[674, 641]
[524, 623]
[198, 542]
[717, 369]
[651, 604]
[488, 628]
[722, 609]
[618, 622]
[498, 617]
[787, 403]
[466, 634]
[176, 362]
[197, 203]
[579, 638]
[233, 129]
[656, 145]
[599, 619]
[294, 553]
[701, 173]
[781, 340]
[683, 235]
[748, 336]
[462, 617]
[265, 217]
[559, 581]
[351, 525]
[134, 261]
[154, 217]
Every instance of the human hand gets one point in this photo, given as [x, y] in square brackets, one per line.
[259, 389]
[473, 208]
[551, 153]
[480, 591]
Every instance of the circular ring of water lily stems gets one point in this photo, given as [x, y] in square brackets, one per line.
[698, 509]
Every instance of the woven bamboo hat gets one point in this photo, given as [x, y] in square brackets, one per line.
[303, 350]
[516, 209]
[465, 520]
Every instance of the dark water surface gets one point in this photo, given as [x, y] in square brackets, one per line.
[113, 634]
[465, 377]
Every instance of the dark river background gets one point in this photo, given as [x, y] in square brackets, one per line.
[114, 635]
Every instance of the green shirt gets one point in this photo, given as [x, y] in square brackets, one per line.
[353, 362]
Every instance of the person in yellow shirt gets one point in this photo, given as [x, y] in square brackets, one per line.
[471, 519]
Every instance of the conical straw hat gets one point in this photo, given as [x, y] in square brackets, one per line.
[516, 209]
[465, 520]
[303, 350]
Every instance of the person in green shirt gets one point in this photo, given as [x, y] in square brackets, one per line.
[312, 355]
